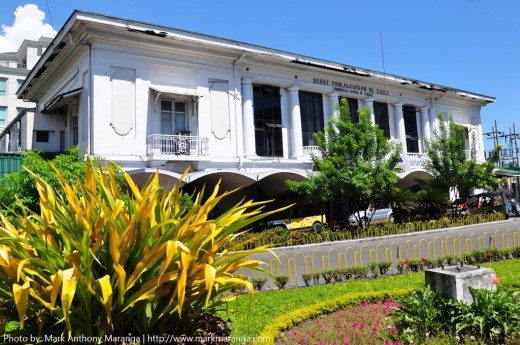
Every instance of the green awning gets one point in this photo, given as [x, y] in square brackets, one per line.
[507, 171]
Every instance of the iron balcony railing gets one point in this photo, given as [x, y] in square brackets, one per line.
[415, 159]
[162, 144]
[311, 151]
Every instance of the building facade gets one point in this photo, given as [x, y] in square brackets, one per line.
[156, 98]
[14, 68]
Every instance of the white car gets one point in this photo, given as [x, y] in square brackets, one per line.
[374, 214]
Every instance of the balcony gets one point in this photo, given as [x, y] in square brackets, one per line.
[310, 151]
[181, 144]
[414, 160]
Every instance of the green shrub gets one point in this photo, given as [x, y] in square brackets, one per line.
[374, 269]
[384, 267]
[440, 262]
[515, 252]
[403, 266]
[360, 272]
[451, 260]
[327, 276]
[281, 281]
[259, 282]
[479, 256]
[97, 261]
[337, 275]
[494, 315]
[307, 277]
[418, 315]
[416, 265]
[468, 259]
[316, 278]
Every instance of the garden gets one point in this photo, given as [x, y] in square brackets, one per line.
[97, 260]
[366, 311]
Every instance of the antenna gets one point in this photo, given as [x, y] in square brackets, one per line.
[49, 11]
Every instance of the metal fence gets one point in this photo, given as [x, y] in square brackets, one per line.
[319, 260]
[189, 145]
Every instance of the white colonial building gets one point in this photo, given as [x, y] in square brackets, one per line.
[151, 97]
[14, 68]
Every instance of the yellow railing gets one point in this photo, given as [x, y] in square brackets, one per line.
[294, 266]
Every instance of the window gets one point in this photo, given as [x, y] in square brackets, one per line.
[410, 126]
[3, 86]
[311, 107]
[3, 115]
[173, 116]
[19, 110]
[20, 82]
[381, 117]
[42, 136]
[353, 107]
[74, 130]
[268, 121]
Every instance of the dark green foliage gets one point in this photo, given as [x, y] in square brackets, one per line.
[493, 316]
[307, 277]
[21, 186]
[450, 165]
[416, 265]
[383, 267]
[356, 162]
[419, 314]
[259, 282]
[327, 276]
[281, 281]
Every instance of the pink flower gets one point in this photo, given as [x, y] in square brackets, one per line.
[362, 326]
[495, 280]
[347, 343]
[457, 337]
[342, 335]
[472, 338]
[319, 342]
[392, 329]
[313, 333]
[374, 329]
[302, 341]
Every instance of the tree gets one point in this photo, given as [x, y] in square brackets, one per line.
[450, 165]
[356, 161]
[19, 188]
[400, 200]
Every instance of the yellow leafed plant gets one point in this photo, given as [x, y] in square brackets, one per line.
[99, 261]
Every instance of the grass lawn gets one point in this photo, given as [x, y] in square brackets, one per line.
[269, 305]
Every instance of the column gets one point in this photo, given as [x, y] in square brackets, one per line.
[334, 100]
[399, 119]
[425, 119]
[296, 123]
[248, 120]
[369, 102]
[433, 121]
[420, 132]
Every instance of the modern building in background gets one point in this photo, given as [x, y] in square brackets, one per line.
[154, 98]
[14, 68]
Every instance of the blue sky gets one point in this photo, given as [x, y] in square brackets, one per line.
[471, 45]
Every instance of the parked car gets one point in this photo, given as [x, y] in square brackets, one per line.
[458, 207]
[490, 202]
[299, 216]
[375, 213]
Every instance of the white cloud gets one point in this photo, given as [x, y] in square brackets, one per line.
[28, 24]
